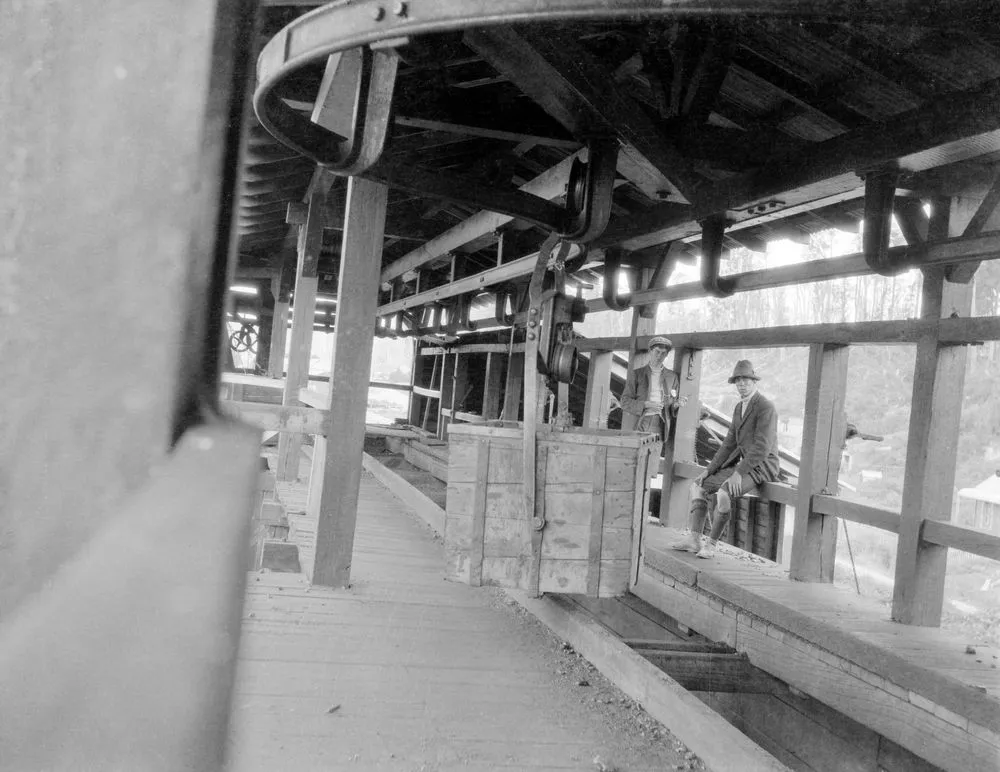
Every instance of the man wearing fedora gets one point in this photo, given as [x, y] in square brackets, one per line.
[747, 457]
[651, 393]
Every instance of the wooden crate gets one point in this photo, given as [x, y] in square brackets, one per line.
[591, 488]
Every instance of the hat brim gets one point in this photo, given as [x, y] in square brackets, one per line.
[664, 346]
[733, 378]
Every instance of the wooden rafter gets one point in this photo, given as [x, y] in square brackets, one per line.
[562, 77]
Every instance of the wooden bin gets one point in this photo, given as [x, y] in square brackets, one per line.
[591, 488]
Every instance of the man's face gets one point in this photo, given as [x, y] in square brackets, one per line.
[657, 355]
[745, 386]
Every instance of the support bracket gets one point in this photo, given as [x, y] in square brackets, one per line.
[712, 231]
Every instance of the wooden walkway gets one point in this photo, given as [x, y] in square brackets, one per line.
[405, 671]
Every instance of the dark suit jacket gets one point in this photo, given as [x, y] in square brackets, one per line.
[752, 442]
[637, 392]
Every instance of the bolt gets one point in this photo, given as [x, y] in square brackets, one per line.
[532, 323]
[378, 13]
[662, 194]
[400, 9]
[533, 311]
[531, 336]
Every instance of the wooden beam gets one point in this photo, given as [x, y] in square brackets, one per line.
[675, 493]
[985, 545]
[486, 133]
[967, 330]
[937, 252]
[549, 185]
[814, 543]
[566, 81]
[279, 418]
[958, 126]
[984, 216]
[856, 512]
[279, 339]
[337, 466]
[935, 412]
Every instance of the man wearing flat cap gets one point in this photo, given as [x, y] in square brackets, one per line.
[747, 457]
[651, 393]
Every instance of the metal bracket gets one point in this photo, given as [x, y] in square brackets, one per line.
[880, 191]
[372, 109]
[609, 290]
[712, 231]
[589, 191]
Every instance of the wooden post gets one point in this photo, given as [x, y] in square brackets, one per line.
[814, 543]
[641, 326]
[513, 388]
[300, 346]
[494, 382]
[935, 412]
[265, 319]
[447, 391]
[675, 495]
[597, 401]
[460, 385]
[279, 329]
[416, 377]
[360, 264]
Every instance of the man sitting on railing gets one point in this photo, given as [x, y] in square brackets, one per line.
[651, 393]
[747, 458]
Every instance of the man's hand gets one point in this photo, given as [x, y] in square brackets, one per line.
[654, 405]
[700, 479]
[733, 483]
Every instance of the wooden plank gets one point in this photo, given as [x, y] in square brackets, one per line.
[478, 539]
[425, 507]
[266, 417]
[928, 480]
[952, 331]
[814, 541]
[596, 521]
[856, 512]
[548, 185]
[780, 493]
[338, 497]
[985, 545]
[420, 391]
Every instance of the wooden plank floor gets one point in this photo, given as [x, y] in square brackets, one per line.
[424, 674]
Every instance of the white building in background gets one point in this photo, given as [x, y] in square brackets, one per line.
[979, 507]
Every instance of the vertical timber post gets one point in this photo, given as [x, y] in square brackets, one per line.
[675, 495]
[513, 387]
[814, 543]
[265, 319]
[279, 328]
[597, 401]
[931, 451]
[641, 327]
[303, 316]
[360, 265]
[494, 382]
